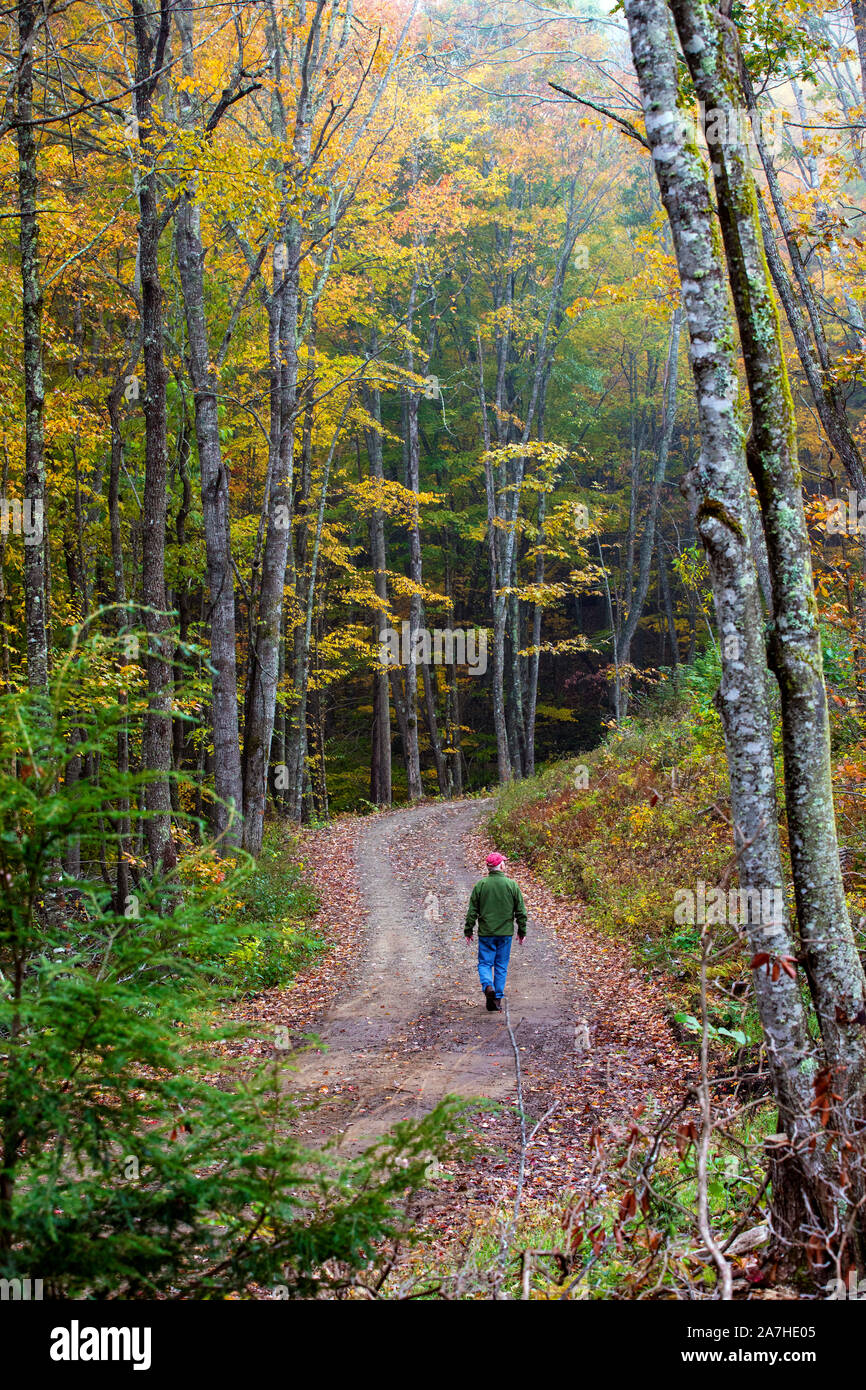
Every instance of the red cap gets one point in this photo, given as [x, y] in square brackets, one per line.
[494, 860]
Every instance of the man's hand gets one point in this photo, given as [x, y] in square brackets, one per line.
[467, 938]
[520, 939]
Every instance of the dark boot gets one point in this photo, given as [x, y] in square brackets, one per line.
[490, 996]
[496, 1006]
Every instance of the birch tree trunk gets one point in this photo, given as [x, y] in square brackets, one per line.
[719, 490]
[299, 576]
[264, 659]
[283, 306]
[833, 965]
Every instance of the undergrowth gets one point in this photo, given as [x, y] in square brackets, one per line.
[632, 824]
[275, 909]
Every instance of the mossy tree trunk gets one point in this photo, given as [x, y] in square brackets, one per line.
[828, 948]
[719, 487]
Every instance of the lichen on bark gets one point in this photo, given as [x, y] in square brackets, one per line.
[809, 1186]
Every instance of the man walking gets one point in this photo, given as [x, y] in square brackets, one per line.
[496, 904]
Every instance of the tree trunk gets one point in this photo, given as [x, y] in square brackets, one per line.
[433, 729]
[300, 577]
[5, 658]
[380, 766]
[503, 760]
[637, 599]
[534, 660]
[667, 600]
[121, 618]
[544, 349]
[181, 598]
[156, 739]
[228, 784]
[283, 347]
[518, 724]
[452, 707]
[412, 455]
[833, 965]
[719, 488]
[814, 354]
[35, 597]
[264, 660]
[858, 10]
[297, 756]
[398, 692]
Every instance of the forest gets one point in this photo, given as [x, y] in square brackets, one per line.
[432, 432]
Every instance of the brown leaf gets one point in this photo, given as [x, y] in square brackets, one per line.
[628, 1205]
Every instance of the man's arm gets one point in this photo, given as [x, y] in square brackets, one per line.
[519, 911]
[472, 912]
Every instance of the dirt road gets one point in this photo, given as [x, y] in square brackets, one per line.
[410, 1026]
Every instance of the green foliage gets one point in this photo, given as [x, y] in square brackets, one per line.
[700, 681]
[273, 912]
[136, 1159]
[839, 667]
[692, 1024]
[735, 1177]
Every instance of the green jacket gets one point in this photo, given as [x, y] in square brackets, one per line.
[496, 903]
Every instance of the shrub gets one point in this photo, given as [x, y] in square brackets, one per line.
[131, 1163]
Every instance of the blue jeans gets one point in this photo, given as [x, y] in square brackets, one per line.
[493, 954]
